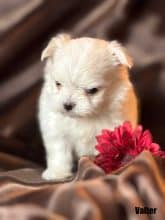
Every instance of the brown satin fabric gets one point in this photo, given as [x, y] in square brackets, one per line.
[90, 195]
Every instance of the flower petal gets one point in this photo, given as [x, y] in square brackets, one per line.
[118, 147]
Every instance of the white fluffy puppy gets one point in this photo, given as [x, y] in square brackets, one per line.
[86, 88]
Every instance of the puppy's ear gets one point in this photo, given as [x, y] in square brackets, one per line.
[119, 54]
[54, 43]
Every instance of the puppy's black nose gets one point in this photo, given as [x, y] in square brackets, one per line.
[68, 106]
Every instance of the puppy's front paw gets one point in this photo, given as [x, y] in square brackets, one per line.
[51, 174]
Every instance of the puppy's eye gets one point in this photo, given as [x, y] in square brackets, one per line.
[58, 84]
[92, 91]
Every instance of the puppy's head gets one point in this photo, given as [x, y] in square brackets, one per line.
[81, 74]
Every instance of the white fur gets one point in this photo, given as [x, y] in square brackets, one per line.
[81, 64]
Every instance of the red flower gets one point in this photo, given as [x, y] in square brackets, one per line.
[118, 147]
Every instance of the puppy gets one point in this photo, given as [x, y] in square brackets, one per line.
[86, 89]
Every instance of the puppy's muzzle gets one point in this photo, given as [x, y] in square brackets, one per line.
[69, 106]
